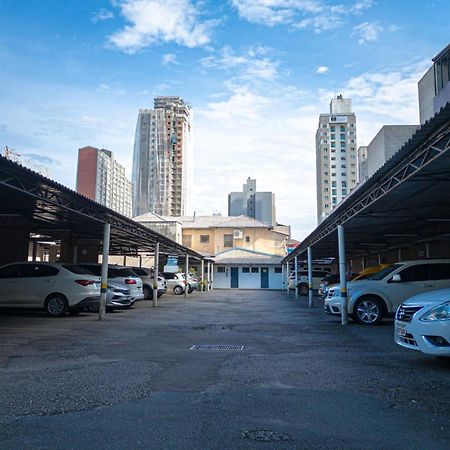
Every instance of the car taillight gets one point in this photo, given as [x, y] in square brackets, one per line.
[130, 281]
[85, 282]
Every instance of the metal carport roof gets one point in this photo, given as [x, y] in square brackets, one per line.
[406, 200]
[55, 210]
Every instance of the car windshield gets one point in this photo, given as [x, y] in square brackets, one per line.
[382, 273]
[78, 270]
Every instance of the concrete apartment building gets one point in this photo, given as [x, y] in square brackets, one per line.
[250, 203]
[336, 161]
[434, 86]
[385, 144]
[102, 179]
[161, 158]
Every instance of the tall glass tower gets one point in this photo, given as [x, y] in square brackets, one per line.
[162, 150]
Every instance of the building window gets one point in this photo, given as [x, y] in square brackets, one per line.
[332, 136]
[333, 184]
[332, 128]
[333, 144]
[278, 270]
[247, 239]
[344, 191]
[255, 269]
[344, 184]
[343, 166]
[333, 191]
[246, 270]
[204, 239]
[343, 174]
[333, 166]
[228, 240]
[333, 174]
[187, 240]
[220, 269]
[343, 128]
[333, 158]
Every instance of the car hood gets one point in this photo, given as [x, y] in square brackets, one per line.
[429, 298]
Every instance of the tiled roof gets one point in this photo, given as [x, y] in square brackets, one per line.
[250, 257]
[218, 222]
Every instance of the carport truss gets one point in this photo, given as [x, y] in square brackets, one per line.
[55, 210]
[406, 202]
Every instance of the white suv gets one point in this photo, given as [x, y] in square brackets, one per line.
[379, 295]
[57, 288]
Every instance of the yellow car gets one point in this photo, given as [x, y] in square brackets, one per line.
[370, 270]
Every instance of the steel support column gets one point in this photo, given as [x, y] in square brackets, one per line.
[186, 276]
[212, 276]
[104, 285]
[202, 275]
[296, 276]
[342, 275]
[155, 275]
[310, 279]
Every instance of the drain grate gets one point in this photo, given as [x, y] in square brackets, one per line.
[217, 347]
[265, 436]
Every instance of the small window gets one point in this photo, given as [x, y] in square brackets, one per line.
[187, 240]
[255, 269]
[228, 240]
[246, 270]
[221, 269]
[204, 239]
[278, 270]
[247, 239]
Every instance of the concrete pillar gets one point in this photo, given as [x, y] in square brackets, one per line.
[212, 276]
[34, 250]
[124, 260]
[104, 285]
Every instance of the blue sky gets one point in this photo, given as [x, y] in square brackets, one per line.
[257, 74]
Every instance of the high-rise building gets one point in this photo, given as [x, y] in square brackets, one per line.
[336, 161]
[434, 86]
[259, 205]
[101, 178]
[161, 158]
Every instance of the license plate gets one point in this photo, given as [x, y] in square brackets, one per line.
[401, 330]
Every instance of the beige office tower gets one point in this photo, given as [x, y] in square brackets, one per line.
[336, 160]
[161, 158]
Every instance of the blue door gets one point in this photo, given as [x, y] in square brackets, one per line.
[264, 278]
[234, 277]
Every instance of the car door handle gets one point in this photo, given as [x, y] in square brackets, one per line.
[427, 285]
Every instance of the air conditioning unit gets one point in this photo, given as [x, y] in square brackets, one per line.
[238, 234]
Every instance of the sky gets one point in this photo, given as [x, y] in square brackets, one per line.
[256, 73]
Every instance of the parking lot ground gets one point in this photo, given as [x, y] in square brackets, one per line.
[302, 381]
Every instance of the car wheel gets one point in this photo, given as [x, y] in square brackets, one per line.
[368, 311]
[56, 305]
[178, 290]
[303, 289]
[147, 293]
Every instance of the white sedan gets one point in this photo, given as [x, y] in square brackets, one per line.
[423, 323]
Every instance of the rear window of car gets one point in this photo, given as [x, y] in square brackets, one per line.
[140, 272]
[125, 272]
[78, 270]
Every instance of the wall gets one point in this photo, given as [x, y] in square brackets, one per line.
[87, 172]
[261, 239]
[426, 95]
[250, 280]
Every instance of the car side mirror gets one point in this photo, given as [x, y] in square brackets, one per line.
[396, 278]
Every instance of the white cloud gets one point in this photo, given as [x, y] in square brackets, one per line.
[315, 14]
[252, 65]
[169, 58]
[102, 87]
[101, 15]
[367, 32]
[322, 69]
[152, 21]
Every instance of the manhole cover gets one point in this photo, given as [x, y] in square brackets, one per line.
[216, 347]
[265, 436]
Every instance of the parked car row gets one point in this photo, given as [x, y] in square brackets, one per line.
[417, 293]
[61, 288]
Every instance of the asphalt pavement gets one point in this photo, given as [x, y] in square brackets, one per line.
[301, 381]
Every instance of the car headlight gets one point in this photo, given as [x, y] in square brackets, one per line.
[441, 312]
